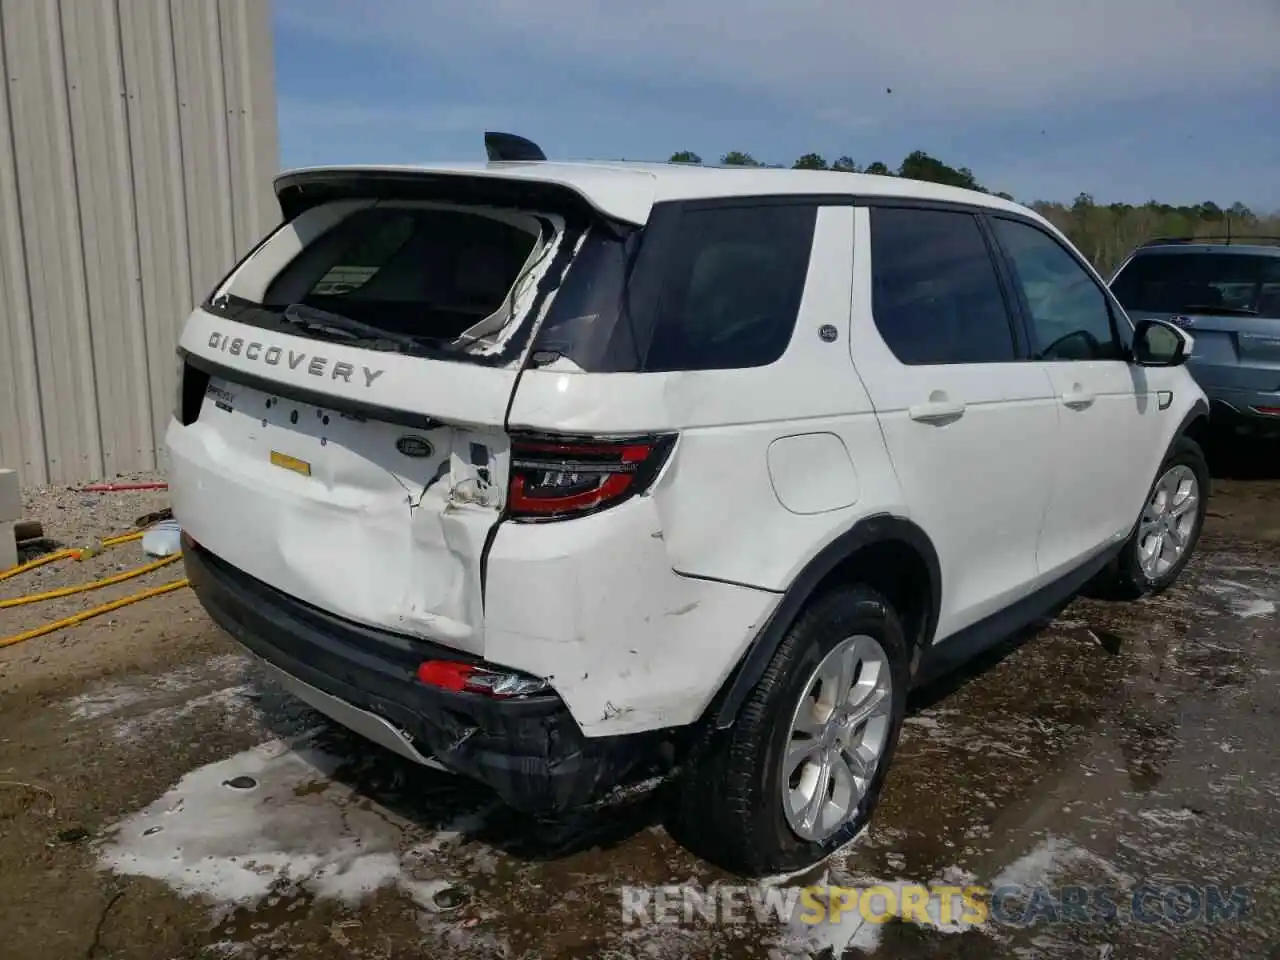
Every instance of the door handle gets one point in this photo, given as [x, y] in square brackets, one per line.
[936, 411]
[1078, 399]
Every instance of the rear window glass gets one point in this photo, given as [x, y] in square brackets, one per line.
[429, 273]
[936, 297]
[1200, 282]
[731, 288]
[368, 251]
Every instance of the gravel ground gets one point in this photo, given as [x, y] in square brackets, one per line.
[75, 519]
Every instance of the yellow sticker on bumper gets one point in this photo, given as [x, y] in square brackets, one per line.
[291, 463]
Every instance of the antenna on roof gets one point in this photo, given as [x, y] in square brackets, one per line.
[508, 146]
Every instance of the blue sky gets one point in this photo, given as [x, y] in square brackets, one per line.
[1129, 100]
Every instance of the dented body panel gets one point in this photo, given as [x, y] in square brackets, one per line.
[359, 528]
[594, 604]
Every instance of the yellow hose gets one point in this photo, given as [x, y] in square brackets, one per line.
[78, 553]
[85, 587]
[84, 615]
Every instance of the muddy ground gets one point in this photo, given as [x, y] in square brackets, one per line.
[159, 800]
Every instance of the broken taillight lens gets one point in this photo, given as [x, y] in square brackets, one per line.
[554, 478]
[457, 677]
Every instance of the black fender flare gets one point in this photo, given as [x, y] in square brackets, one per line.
[1199, 411]
[878, 528]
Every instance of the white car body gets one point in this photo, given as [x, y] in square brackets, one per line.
[1000, 487]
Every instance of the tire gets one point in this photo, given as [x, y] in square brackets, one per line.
[1127, 580]
[729, 803]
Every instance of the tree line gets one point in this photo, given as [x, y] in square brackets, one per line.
[1103, 232]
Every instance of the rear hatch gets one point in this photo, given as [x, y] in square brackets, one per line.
[1227, 299]
[341, 424]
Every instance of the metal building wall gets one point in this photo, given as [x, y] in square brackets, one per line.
[138, 141]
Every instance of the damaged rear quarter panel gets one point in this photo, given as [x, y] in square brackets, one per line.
[594, 605]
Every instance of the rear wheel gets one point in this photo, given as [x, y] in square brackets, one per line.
[1168, 528]
[799, 773]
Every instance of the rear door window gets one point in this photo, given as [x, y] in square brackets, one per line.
[732, 285]
[936, 296]
[1195, 282]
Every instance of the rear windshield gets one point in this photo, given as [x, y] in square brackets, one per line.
[1200, 283]
[417, 271]
[438, 280]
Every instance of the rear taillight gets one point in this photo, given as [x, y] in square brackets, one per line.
[457, 677]
[554, 478]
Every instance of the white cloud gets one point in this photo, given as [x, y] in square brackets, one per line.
[940, 57]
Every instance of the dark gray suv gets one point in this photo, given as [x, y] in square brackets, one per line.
[1225, 292]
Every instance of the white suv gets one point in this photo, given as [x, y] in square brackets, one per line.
[549, 473]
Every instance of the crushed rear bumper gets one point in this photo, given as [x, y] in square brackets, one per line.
[529, 750]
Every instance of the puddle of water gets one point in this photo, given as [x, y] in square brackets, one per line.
[1243, 599]
[1255, 608]
[284, 827]
[1052, 858]
[115, 698]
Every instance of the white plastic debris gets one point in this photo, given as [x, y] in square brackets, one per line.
[162, 539]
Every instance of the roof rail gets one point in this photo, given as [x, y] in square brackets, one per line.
[1224, 239]
[509, 146]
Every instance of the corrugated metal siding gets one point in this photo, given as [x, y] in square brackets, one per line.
[137, 145]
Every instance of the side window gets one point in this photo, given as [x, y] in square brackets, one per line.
[1070, 317]
[733, 283]
[936, 296]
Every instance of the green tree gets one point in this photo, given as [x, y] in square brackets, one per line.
[1211, 211]
[918, 165]
[685, 156]
[878, 169]
[810, 161]
[736, 158]
[846, 164]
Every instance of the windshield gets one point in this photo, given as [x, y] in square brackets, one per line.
[1228, 283]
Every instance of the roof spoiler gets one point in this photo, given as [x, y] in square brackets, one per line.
[508, 146]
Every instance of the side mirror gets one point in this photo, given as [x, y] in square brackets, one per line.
[1158, 343]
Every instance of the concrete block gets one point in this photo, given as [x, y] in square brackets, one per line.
[10, 510]
[8, 546]
[10, 498]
